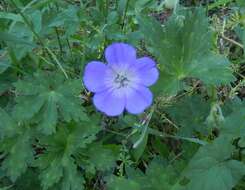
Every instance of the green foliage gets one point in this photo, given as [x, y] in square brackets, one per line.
[7, 125]
[16, 147]
[190, 113]
[4, 63]
[57, 161]
[53, 138]
[68, 19]
[234, 123]
[119, 183]
[183, 48]
[108, 154]
[211, 167]
[48, 100]
[19, 155]
[29, 180]
[158, 176]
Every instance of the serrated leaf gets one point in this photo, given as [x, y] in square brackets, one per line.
[67, 18]
[211, 169]
[63, 172]
[50, 114]
[158, 176]
[233, 124]
[213, 69]
[7, 125]
[70, 137]
[28, 181]
[183, 47]
[4, 61]
[57, 163]
[48, 100]
[72, 179]
[102, 157]
[190, 113]
[19, 39]
[120, 183]
[19, 154]
[218, 177]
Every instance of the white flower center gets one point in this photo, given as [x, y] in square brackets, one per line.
[121, 78]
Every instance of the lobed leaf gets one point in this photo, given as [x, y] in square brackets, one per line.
[183, 48]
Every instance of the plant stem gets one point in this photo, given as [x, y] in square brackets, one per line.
[50, 53]
[124, 15]
[59, 41]
[232, 41]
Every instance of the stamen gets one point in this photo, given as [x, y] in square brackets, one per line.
[121, 80]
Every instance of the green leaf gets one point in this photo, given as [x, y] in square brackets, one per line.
[28, 180]
[103, 157]
[120, 183]
[149, 25]
[140, 138]
[7, 37]
[159, 176]
[57, 163]
[240, 3]
[122, 6]
[19, 39]
[64, 171]
[211, 169]
[68, 19]
[140, 143]
[51, 174]
[72, 179]
[233, 125]
[213, 69]
[112, 18]
[6, 79]
[50, 114]
[218, 3]
[19, 154]
[36, 18]
[70, 137]
[48, 100]
[10, 16]
[190, 114]
[4, 61]
[7, 125]
[183, 48]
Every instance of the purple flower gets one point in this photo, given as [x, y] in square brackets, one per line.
[123, 82]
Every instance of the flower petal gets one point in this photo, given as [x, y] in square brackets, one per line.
[138, 100]
[94, 76]
[109, 102]
[147, 71]
[120, 53]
